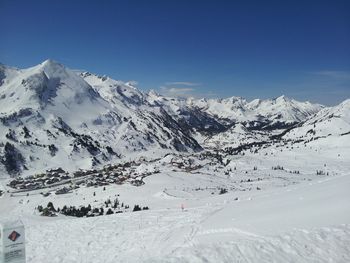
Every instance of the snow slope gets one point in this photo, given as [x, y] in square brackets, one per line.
[304, 222]
[329, 121]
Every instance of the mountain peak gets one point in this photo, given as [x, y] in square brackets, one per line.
[152, 93]
[50, 62]
[52, 68]
[282, 99]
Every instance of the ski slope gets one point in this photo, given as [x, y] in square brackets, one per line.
[290, 220]
[308, 223]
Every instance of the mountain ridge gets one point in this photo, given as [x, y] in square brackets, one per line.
[52, 115]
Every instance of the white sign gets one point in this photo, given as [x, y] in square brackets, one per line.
[12, 242]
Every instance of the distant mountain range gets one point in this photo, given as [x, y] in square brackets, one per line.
[52, 116]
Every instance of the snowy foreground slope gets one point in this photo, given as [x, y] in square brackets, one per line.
[266, 215]
[301, 224]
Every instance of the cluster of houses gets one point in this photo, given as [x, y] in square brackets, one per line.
[38, 181]
[110, 174]
[186, 164]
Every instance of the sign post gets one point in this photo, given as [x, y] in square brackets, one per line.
[12, 242]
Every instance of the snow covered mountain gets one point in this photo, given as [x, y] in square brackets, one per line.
[178, 180]
[275, 113]
[52, 116]
[333, 122]
[218, 123]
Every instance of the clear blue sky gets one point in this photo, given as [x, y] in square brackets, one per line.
[202, 48]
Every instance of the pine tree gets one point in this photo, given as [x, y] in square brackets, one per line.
[109, 212]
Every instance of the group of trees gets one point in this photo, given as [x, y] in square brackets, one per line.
[278, 167]
[12, 159]
[49, 210]
[320, 172]
[110, 207]
[53, 149]
[138, 208]
[222, 191]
